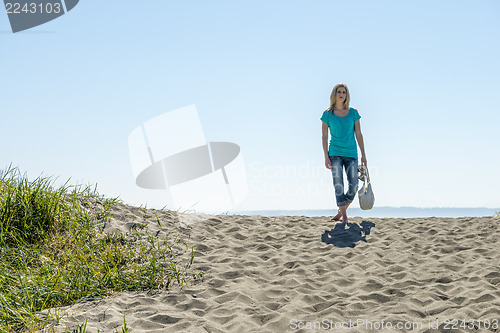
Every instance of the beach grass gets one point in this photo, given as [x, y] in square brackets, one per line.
[54, 252]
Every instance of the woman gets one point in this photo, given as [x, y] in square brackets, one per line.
[343, 123]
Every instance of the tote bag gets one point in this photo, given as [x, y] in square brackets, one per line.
[365, 194]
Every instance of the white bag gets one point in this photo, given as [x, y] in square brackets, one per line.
[365, 194]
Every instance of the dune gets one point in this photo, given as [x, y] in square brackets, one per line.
[309, 274]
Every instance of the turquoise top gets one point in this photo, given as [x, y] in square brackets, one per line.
[342, 142]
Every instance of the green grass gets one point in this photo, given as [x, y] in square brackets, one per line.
[54, 252]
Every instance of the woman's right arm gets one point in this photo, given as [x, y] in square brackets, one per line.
[324, 138]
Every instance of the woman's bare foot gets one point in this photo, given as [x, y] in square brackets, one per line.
[343, 210]
[337, 217]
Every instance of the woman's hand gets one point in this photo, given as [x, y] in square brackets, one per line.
[363, 160]
[328, 163]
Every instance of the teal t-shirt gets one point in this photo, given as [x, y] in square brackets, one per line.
[342, 142]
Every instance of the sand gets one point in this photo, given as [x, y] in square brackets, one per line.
[308, 274]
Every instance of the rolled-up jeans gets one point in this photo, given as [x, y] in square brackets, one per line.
[350, 164]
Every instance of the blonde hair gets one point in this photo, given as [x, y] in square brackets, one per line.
[334, 93]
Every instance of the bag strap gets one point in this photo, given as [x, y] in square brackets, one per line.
[367, 175]
[364, 175]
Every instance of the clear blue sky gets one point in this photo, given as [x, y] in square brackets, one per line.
[423, 75]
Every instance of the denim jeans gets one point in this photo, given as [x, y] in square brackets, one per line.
[350, 164]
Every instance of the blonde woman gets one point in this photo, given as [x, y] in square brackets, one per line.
[342, 154]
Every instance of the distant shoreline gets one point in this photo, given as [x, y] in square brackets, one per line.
[381, 212]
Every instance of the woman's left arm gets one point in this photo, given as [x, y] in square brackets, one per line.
[359, 138]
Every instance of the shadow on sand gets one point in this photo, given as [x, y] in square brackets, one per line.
[342, 236]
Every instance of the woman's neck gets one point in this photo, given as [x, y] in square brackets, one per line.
[339, 106]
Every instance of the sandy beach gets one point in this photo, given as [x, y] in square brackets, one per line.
[309, 274]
